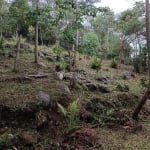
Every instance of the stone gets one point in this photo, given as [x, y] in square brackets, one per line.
[28, 138]
[127, 75]
[44, 99]
[147, 106]
[103, 88]
[64, 88]
[60, 75]
[50, 58]
[24, 45]
[91, 86]
[41, 118]
[102, 79]
[40, 54]
[42, 65]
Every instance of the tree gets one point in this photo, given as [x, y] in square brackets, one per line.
[147, 93]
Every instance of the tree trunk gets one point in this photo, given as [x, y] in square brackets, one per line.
[120, 54]
[36, 35]
[1, 28]
[147, 93]
[16, 62]
[36, 42]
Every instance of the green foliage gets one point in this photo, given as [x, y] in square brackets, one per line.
[5, 139]
[143, 82]
[62, 65]
[90, 43]
[140, 62]
[113, 63]
[58, 51]
[96, 62]
[2, 43]
[71, 114]
[122, 87]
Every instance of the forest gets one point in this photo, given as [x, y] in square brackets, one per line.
[74, 76]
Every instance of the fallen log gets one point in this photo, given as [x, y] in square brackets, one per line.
[27, 78]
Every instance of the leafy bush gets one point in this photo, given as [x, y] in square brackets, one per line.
[96, 62]
[2, 43]
[58, 51]
[62, 65]
[140, 62]
[5, 139]
[71, 114]
[122, 87]
[113, 63]
[90, 43]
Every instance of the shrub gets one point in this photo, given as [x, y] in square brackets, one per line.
[96, 62]
[2, 43]
[62, 65]
[58, 50]
[90, 43]
[113, 63]
[71, 114]
[122, 87]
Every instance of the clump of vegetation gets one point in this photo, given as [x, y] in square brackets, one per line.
[58, 50]
[104, 112]
[143, 82]
[113, 63]
[122, 87]
[71, 114]
[90, 43]
[96, 63]
[5, 139]
[62, 65]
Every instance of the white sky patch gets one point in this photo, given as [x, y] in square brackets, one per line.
[117, 5]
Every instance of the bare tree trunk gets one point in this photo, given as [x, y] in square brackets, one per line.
[16, 62]
[147, 93]
[120, 54]
[1, 27]
[36, 34]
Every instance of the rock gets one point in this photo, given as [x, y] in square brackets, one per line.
[114, 77]
[127, 75]
[64, 88]
[85, 136]
[41, 118]
[50, 58]
[42, 65]
[81, 72]
[85, 115]
[60, 75]
[102, 79]
[28, 138]
[147, 106]
[91, 86]
[25, 45]
[103, 88]
[44, 99]
[40, 54]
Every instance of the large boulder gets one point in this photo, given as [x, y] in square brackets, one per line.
[44, 99]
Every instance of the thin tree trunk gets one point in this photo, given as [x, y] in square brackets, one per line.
[120, 54]
[16, 62]
[147, 93]
[36, 42]
[1, 27]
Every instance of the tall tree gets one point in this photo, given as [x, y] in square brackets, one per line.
[147, 93]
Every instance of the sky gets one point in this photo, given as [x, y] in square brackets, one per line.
[118, 5]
